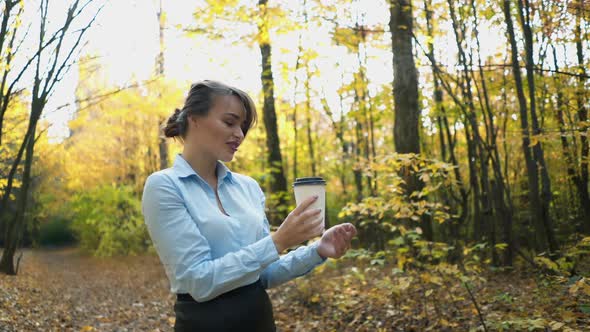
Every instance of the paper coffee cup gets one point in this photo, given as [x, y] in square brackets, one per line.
[309, 186]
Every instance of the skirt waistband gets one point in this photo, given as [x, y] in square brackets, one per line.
[189, 298]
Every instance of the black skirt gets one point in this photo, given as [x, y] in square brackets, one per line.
[247, 308]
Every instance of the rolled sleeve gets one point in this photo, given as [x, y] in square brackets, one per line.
[294, 264]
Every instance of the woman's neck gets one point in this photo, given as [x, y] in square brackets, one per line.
[204, 166]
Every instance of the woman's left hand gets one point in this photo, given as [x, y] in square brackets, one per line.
[336, 240]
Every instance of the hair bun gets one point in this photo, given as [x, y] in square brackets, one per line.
[172, 128]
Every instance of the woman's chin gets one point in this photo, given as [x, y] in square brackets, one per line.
[227, 157]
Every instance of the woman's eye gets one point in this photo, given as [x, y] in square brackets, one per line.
[228, 123]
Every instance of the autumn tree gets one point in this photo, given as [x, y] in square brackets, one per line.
[57, 52]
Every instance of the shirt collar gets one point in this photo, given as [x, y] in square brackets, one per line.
[183, 169]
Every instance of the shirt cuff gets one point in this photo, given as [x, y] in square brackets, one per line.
[314, 255]
[266, 250]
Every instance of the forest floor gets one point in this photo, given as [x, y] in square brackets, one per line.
[65, 290]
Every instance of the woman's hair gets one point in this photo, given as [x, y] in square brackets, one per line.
[199, 102]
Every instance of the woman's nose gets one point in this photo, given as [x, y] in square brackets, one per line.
[239, 133]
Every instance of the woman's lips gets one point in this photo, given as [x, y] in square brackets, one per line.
[233, 146]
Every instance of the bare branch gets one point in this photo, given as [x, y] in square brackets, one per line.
[57, 78]
[9, 5]
[97, 99]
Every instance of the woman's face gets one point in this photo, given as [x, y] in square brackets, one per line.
[219, 133]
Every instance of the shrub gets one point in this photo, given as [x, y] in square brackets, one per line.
[107, 221]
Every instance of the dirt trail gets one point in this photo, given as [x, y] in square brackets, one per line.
[64, 290]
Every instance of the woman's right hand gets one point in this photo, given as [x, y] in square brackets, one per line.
[300, 225]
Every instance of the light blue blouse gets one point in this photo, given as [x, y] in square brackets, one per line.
[206, 253]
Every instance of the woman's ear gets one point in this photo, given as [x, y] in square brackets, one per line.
[193, 120]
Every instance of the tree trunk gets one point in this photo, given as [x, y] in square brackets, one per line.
[13, 169]
[405, 80]
[532, 175]
[15, 233]
[343, 144]
[310, 147]
[295, 106]
[278, 184]
[7, 51]
[357, 170]
[162, 143]
[499, 193]
[538, 155]
[338, 128]
[406, 127]
[582, 118]
[445, 134]
[475, 150]
[569, 155]
[362, 98]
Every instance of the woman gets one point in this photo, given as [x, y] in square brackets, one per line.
[209, 227]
